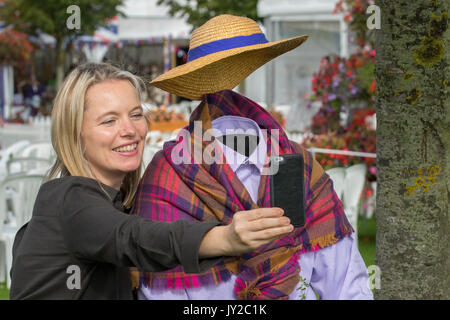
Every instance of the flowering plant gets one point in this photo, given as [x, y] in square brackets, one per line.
[355, 15]
[356, 138]
[340, 85]
[14, 47]
[345, 88]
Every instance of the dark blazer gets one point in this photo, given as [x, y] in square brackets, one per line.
[79, 244]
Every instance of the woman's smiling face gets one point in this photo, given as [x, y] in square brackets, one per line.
[113, 131]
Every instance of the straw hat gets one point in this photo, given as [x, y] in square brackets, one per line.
[222, 53]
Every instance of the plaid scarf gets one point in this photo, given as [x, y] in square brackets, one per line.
[170, 190]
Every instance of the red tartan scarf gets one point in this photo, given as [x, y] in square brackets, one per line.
[170, 190]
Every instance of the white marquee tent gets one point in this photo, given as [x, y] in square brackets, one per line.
[143, 20]
[287, 80]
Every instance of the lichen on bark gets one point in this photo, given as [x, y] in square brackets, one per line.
[413, 136]
[430, 51]
[431, 47]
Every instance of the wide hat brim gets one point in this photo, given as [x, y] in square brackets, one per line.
[222, 70]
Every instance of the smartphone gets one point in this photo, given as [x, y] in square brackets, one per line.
[287, 187]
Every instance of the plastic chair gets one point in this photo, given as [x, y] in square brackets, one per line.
[33, 156]
[149, 152]
[3, 215]
[10, 152]
[355, 177]
[42, 150]
[152, 137]
[337, 175]
[372, 201]
[23, 165]
[25, 188]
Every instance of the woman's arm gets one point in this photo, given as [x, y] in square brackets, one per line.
[248, 231]
[94, 230]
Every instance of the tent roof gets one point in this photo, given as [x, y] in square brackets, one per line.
[294, 7]
[145, 19]
[152, 27]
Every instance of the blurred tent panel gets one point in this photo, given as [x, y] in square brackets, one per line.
[145, 19]
[287, 79]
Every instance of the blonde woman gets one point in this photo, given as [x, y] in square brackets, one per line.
[80, 241]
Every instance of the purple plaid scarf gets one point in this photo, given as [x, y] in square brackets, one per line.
[170, 191]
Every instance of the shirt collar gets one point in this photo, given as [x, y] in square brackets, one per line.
[231, 124]
[116, 196]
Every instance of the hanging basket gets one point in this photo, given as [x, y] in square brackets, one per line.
[15, 49]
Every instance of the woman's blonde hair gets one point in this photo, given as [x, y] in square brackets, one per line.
[67, 120]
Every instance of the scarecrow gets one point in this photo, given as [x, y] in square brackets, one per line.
[182, 182]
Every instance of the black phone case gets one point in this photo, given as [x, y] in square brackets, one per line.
[287, 188]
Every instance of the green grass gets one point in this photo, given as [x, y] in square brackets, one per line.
[366, 239]
[4, 293]
[366, 245]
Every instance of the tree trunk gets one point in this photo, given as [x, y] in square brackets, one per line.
[412, 70]
[60, 60]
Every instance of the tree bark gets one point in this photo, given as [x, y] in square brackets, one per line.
[412, 71]
[60, 60]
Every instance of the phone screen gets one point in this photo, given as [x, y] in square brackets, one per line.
[287, 187]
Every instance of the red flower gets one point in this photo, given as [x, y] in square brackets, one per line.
[14, 47]
[372, 87]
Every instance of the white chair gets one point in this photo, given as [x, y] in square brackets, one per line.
[33, 156]
[152, 137]
[25, 188]
[355, 177]
[372, 201]
[23, 165]
[149, 152]
[337, 175]
[171, 135]
[42, 150]
[348, 184]
[10, 152]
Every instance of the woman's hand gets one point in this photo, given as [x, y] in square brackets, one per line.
[248, 231]
[253, 228]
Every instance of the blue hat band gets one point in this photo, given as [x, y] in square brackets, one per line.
[226, 44]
